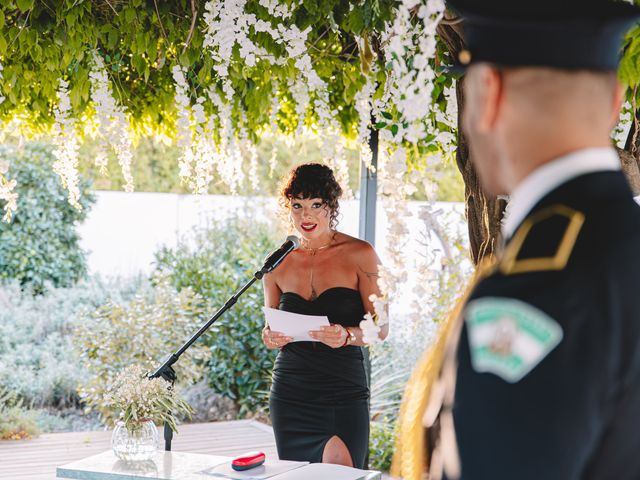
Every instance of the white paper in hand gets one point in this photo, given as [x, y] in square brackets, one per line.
[294, 324]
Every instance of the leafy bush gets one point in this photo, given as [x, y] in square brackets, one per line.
[40, 244]
[217, 262]
[381, 444]
[37, 360]
[16, 423]
[67, 420]
[143, 330]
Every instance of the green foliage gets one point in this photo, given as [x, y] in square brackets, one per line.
[629, 71]
[381, 445]
[37, 358]
[143, 331]
[216, 263]
[16, 422]
[41, 244]
[41, 42]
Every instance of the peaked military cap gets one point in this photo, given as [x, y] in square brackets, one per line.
[565, 34]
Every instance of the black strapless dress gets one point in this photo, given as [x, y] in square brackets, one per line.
[318, 391]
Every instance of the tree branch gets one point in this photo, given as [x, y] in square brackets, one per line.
[21, 29]
[164, 33]
[194, 16]
[109, 3]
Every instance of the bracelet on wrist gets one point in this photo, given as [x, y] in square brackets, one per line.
[351, 337]
[346, 339]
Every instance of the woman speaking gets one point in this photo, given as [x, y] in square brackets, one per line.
[319, 400]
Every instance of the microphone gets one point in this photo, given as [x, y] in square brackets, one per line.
[277, 257]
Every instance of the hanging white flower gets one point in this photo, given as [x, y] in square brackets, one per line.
[279, 10]
[66, 144]
[300, 94]
[411, 44]
[2, 98]
[621, 131]
[113, 126]
[7, 193]
[227, 25]
[199, 154]
[364, 107]
[183, 122]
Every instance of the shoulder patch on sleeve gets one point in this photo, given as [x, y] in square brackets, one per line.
[508, 337]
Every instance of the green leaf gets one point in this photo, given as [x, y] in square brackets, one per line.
[129, 14]
[394, 129]
[380, 125]
[24, 5]
[138, 63]
[387, 115]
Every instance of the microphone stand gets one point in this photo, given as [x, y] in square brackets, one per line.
[166, 370]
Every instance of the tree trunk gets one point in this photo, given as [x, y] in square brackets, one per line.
[630, 157]
[484, 212]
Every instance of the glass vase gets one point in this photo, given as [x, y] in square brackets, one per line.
[137, 444]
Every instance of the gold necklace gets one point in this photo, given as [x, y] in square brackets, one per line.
[313, 251]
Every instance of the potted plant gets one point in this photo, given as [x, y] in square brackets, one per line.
[140, 402]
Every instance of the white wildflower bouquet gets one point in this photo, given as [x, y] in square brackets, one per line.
[137, 398]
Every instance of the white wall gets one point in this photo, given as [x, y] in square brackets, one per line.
[123, 230]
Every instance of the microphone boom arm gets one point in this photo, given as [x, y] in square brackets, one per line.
[166, 370]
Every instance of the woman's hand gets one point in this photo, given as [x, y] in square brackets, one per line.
[334, 335]
[273, 339]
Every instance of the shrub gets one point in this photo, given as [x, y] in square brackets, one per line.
[381, 444]
[16, 423]
[216, 263]
[41, 244]
[144, 330]
[37, 359]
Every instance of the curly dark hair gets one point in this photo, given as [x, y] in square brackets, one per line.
[312, 180]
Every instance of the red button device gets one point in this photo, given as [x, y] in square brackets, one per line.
[248, 460]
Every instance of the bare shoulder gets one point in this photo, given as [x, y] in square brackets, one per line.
[360, 250]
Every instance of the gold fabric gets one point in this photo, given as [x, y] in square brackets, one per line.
[410, 460]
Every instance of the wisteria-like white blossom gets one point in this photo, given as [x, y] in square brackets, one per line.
[7, 192]
[2, 98]
[113, 124]
[364, 107]
[300, 94]
[411, 45]
[279, 10]
[227, 25]
[621, 130]
[194, 131]
[65, 140]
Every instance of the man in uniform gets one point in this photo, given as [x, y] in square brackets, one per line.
[538, 376]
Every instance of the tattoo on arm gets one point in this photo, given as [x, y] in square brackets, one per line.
[369, 275]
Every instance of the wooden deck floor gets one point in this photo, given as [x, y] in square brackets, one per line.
[37, 459]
